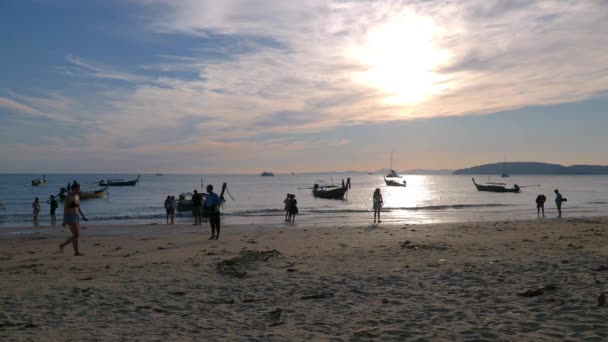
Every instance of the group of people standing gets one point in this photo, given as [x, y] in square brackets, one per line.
[52, 201]
[291, 208]
[208, 203]
[541, 199]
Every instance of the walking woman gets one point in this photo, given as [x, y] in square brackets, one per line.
[71, 210]
[377, 203]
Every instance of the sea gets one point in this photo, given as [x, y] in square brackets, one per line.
[253, 199]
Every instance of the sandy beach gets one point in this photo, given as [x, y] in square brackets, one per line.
[530, 280]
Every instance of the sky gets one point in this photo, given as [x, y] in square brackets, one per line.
[196, 86]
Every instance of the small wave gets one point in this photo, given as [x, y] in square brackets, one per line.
[279, 212]
[452, 206]
[597, 202]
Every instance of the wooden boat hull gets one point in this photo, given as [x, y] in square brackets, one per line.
[119, 183]
[85, 195]
[337, 193]
[393, 182]
[39, 181]
[101, 193]
[495, 188]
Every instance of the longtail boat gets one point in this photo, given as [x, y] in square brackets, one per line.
[331, 191]
[496, 187]
[39, 181]
[119, 182]
[84, 195]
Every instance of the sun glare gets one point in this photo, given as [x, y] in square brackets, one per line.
[402, 59]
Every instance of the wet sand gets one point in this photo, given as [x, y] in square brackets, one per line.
[528, 280]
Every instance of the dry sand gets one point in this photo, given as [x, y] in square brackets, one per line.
[455, 281]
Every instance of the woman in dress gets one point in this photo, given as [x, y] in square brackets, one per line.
[377, 204]
[71, 212]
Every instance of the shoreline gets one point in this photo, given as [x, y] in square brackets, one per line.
[391, 282]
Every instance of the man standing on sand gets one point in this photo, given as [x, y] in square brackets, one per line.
[558, 202]
[197, 208]
[53, 202]
[540, 204]
[212, 205]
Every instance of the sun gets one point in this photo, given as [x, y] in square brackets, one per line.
[402, 59]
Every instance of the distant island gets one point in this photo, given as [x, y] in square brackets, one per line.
[532, 168]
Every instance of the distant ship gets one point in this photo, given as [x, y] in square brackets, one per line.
[267, 174]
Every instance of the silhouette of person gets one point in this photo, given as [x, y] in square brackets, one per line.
[540, 204]
[197, 208]
[54, 205]
[377, 204]
[293, 208]
[212, 206]
[172, 207]
[36, 209]
[287, 202]
[558, 202]
[167, 205]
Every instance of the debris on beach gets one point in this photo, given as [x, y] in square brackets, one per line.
[538, 292]
[322, 295]
[7, 325]
[275, 317]
[409, 245]
[237, 267]
[531, 293]
[600, 268]
[601, 300]
[366, 332]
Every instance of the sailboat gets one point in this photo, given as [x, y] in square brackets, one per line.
[393, 178]
[504, 173]
[158, 173]
[393, 173]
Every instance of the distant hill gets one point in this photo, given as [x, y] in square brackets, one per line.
[533, 168]
[416, 172]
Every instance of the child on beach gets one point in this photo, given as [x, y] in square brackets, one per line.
[36, 207]
[377, 203]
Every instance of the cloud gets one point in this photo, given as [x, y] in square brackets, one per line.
[252, 68]
[52, 106]
[464, 57]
